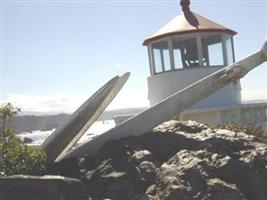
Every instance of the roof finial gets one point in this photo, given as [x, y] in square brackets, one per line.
[185, 5]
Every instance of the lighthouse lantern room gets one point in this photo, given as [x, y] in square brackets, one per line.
[186, 50]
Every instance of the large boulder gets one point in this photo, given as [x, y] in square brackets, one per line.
[179, 160]
[190, 175]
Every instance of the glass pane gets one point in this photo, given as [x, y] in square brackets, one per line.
[215, 54]
[229, 51]
[185, 52]
[166, 56]
[212, 50]
[177, 59]
[157, 60]
[161, 56]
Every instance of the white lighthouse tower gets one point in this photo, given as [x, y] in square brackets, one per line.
[187, 49]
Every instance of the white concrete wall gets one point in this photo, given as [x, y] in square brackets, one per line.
[253, 115]
[164, 84]
[242, 115]
[211, 118]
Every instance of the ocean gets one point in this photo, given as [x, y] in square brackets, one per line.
[97, 128]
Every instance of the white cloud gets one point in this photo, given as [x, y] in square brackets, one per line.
[54, 104]
[46, 104]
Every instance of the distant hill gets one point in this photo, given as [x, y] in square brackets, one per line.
[32, 122]
[28, 123]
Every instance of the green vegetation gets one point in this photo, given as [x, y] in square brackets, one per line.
[7, 112]
[15, 157]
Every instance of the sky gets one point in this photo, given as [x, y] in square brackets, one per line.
[55, 54]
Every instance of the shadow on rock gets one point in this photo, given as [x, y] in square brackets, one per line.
[178, 160]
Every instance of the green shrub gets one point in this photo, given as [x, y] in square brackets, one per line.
[15, 157]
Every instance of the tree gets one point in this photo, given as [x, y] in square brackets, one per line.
[7, 112]
[15, 157]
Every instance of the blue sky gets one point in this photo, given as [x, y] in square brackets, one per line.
[55, 54]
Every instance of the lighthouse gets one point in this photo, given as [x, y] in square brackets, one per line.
[187, 49]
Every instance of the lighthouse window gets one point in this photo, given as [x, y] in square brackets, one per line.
[167, 63]
[161, 56]
[157, 60]
[185, 53]
[177, 59]
[229, 51]
[212, 50]
[215, 54]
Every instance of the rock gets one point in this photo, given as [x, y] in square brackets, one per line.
[115, 150]
[144, 155]
[186, 126]
[183, 175]
[179, 160]
[147, 171]
[27, 140]
[68, 167]
[219, 190]
[115, 176]
[151, 190]
[188, 175]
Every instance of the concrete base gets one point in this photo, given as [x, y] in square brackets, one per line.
[22, 187]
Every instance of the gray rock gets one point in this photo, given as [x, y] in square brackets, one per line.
[27, 140]
[180, 160]
[219, 190]
[147, 171]
[188, 174]
[144, 155]
[113, 178]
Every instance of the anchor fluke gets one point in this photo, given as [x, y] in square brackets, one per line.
[65, 137]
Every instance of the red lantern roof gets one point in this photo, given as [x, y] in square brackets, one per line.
[187, 22]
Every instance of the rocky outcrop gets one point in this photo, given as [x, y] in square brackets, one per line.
[27, 140]
[179, 160]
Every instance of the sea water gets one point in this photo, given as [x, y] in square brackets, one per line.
[97, 128]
